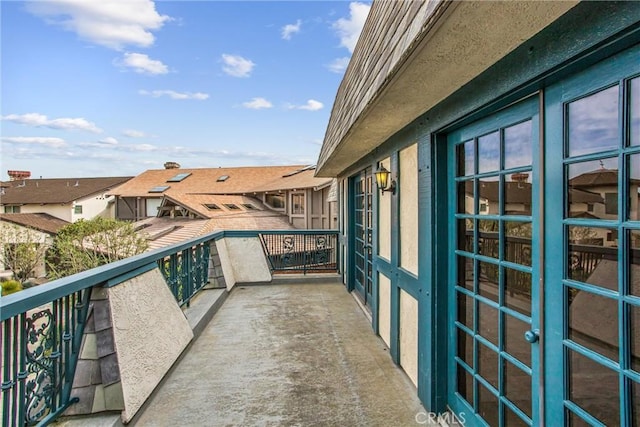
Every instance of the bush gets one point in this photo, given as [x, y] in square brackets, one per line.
[10, 286]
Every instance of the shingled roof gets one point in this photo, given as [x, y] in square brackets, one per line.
[38, 221]
[237, 180]
[56, 190]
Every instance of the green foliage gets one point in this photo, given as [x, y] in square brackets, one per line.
[10, 286]
[21, 249]
[86, 244]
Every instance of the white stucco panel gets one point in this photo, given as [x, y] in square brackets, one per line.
[243, 260]
[409, 335]
[150, 332]
[409, 208]
[384, 308]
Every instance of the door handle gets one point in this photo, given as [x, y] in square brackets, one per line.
[532, 335]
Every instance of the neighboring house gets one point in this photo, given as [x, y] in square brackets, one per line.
[454, 99]
[29, 228]
[69, 199]
[291, 191]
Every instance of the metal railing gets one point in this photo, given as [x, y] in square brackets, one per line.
[41, 327]
[301, 250]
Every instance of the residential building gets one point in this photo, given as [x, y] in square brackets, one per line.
[16, 228]
[68, 199]
[501, 265]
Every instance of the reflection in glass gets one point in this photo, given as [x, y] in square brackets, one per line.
[489, 197]
[489, 152]
[634, 262]
[488, 233]
[512, 420]
[488, 406]
[593, 189]
[517, 387]
[594, 388]
[466, 157]
[465, 384]
[488, 322]
[633, 181]
[517, 248]
[634, 335]
[465, 347]
[593, 323]
[634, 111]
[465, 272]
[488, 280]
[517, 145]
[592, 256]
[517, 290]
[488, 364]
[514, 342]
[635, 403]
[517, 194]
[466, 197]
[593, 123]
[465, 310]
[465, 234]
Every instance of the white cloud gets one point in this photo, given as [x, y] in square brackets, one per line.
[237, 66]
[175, 95]
[113, 24]
[109, 141]
[257, 104]
[349, 29]
[311, 105]
[338, 65]
[132, 133]
[290, 29]
[40, 120]
[37, 140]
[141, 63]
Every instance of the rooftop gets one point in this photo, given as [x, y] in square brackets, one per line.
[38, 221]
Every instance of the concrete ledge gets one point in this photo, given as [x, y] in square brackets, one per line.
[202, 308]
[98, 420]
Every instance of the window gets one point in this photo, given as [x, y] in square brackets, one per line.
[12, 209]
[77, 209]
[231, 206]
[611, 203]
[159, 189]
[276, 201]
[179, 177]
[297, 204]
[211, 206]
[589, 207]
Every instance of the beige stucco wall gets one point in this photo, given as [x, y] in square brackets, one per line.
[408, 184]
[384, 219]
[92, 206]
[59, 211]
[14, 233]
[384, 308]
[150, 331]
[409, 335]
[243, 260]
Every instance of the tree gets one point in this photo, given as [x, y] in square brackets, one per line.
[86, 244]
[21, 249]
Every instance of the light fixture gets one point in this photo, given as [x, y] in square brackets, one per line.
[382, 179]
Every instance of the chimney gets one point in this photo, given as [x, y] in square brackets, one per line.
[171, 165]
[17, 175]
[520, 177]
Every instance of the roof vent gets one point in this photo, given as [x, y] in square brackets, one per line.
[171, 165]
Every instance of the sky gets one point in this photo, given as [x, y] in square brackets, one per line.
[116, 87]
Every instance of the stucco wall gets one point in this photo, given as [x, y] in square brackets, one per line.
[384, 308]
[59, 211]
[150, 331]
[409, 335]
[384, 219]
[92, 206]
[243, 260]
[14, 233]
[408, 184]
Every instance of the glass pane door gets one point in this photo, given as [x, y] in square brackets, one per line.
[494, 267]
[363, 233]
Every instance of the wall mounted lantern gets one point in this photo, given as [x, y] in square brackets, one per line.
[382, 179]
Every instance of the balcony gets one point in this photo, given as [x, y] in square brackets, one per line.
[207, 332]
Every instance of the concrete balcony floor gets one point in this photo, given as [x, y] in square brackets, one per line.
[285, 355]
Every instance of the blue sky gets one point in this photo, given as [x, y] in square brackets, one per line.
[117, 87]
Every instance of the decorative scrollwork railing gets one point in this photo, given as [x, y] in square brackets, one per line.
[301, 250]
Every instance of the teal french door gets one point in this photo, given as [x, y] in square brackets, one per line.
[544, 272]
[494, 268]
[592, 245]
[362, 235]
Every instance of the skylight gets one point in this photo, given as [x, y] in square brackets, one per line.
[179, 177]
[249, 206]
[159, 189]
[223, 178]
[231, 206]
[211, 206]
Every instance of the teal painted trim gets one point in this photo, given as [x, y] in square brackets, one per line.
[70, 372]
[350, 244]
[130, 275]
[255, 233]
[375, 250]
[395, 260]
